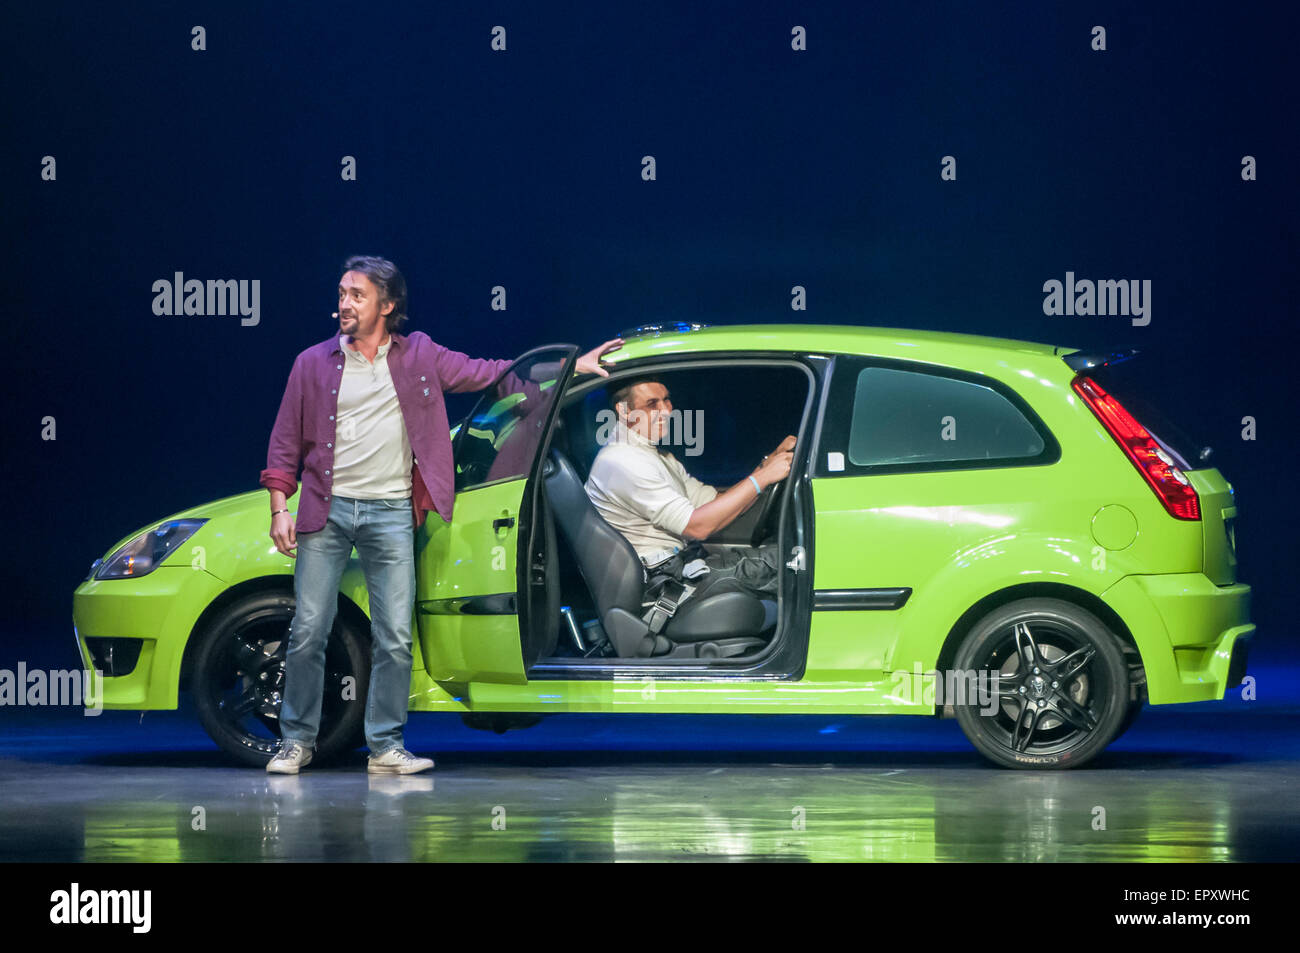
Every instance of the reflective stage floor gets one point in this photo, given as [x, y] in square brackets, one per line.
[1187, 783]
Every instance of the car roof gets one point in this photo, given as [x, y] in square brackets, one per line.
[905, 343]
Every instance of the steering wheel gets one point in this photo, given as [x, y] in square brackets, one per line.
[767, 510]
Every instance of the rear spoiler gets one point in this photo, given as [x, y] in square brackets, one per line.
[1083, 360]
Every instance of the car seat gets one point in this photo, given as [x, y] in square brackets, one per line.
[725, 622]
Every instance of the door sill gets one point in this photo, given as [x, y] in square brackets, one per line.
[687, 669]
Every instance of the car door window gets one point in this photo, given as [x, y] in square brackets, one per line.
[499, 439]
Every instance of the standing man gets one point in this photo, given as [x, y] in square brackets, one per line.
[360, 411]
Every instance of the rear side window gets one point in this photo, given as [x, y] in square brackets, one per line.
[905, 417]
[887, 418]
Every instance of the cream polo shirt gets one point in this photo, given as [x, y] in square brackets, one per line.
[645, 495]
[372, 452]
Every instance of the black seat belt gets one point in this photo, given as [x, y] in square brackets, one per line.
[669, 589]
[671, 594]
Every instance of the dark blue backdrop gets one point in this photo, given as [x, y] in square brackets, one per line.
[522, 168]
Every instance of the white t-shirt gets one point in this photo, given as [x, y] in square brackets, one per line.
[372, 453]
[646, 495]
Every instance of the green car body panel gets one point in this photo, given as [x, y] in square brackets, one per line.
[1085, 527]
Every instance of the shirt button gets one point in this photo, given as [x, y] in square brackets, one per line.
[327, 473]
[421, 377]
[330, 445]
[333, 392]
[426, 392]
[331, 416]
[338, 367]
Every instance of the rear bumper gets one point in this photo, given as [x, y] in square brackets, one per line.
[1194, 637]
[1239, 658]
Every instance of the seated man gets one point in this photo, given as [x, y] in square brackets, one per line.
[645, 493]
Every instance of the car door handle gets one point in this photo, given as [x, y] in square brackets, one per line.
[502, 522]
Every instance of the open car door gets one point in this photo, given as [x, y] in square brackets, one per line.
[473, 575]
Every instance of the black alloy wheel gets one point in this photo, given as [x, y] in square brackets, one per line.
[238, 681]
[1062, 685]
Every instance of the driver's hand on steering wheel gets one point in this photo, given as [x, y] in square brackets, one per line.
[784, 445]
[776, 465]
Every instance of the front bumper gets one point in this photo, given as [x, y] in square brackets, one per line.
[157, 612]
[1194, 637]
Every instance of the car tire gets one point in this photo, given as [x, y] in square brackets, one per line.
[238, 677]
[1042, 721]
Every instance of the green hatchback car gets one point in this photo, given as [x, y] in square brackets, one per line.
[994, 530]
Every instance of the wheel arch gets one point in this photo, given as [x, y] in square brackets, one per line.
[1052, 590]
[280, 583]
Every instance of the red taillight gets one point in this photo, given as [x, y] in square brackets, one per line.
[1153, 463]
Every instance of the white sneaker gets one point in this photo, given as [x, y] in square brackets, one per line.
[397, 761]
[289, 758]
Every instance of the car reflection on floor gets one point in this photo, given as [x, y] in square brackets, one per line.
[1200, 786]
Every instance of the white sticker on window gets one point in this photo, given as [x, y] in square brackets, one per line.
[834, 462]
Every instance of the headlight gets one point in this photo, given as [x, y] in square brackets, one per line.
[144, 553]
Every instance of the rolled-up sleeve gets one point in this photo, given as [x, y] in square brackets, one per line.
[697, 492]
[284, 452]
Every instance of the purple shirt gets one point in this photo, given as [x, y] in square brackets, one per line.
[304, 427]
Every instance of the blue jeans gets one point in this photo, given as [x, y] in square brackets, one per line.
[384, 537]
